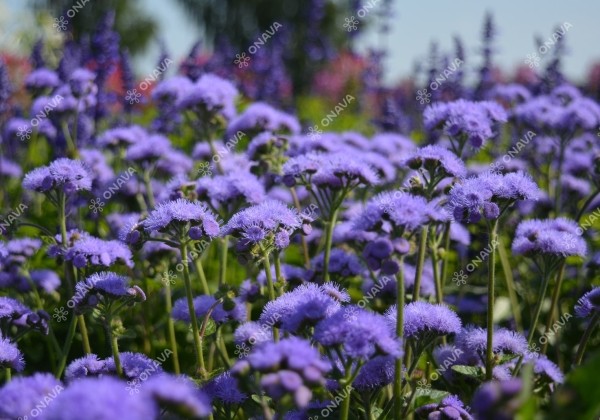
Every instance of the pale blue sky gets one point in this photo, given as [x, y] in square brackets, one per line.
[417, 23]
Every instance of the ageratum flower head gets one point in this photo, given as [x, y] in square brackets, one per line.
[136, 366]
[182, 218]
[302, 307]
[489, 194]
[290, 366]
[41, 79]
[550, 237]
[390, 211]
[424, 321]
[588, 304]
[63, 174]
[450, 407]
[178, 395]
[465, 120]
[329, 171]
[497, 399]
[375, 374]
[224, 388]
[342, 265]
[20, 396]
[231, 190]
[202, 304]
[473, 341]
[210, 96]
[14, 313]
[259, 117]
[100, 288]
[102, 398]
[88, 365]
[122, 137]
[268, 225]
[438, 161]
[361, 334]
[10, 355]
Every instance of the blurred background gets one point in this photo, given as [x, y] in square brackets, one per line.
[321, 48]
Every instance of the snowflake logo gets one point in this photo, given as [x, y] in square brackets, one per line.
[205, 169]
[96, 205]
[350, 314]
[496, 168]
[133, 96]
[60, 24]
[242, 350]
[598, 134]
[60, 314]
[133, 387]
[532, 349]
[24, 133]
[351, 24]
[459, 278]
[569, 244]
[424, 386]
[423, 96]
[168, 277]
[386, 205]
[241, 60]
[314, 132]
[532, 60]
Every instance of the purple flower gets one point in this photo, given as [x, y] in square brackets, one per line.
[180, 213]
[88, 365]
[10, 356]
[262, 223]
[488, 194]
[203, 303]
[588, 304]
[497, 400]
[136, 366]
[290, 366]
[70, 175]
[177, 395]
[424, 321]
[437, 160]
[122, 136]
[211, 95]
[341, 265]
[232, 188]
[224, 388]
[252, 333]
[473, 340]
[461, 119]
[375, 374]
[41, 79]
[149, 150]
[397, 210]
[20, 396]
[93, 251]
[100, 398]
[451, 408]
[304, 306]
[103, 286]
[259, 117]
[553, 237]
[362, 334]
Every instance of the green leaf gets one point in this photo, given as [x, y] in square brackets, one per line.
[506, 358]
[429, 396]
[471, 371]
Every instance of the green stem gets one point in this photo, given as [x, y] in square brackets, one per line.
[586, 337]
[202, 276]
[190, 301]
[400, 334]
[302, 237]
[436, 276]
[223, 260]
[586, 204]
[267, 267]
[328, 240]
[278, 277]
[420, 263]
[538, 309]
[149, 191]
[446, 241]
[201, 335]
[555, 296]
[171, 328]
[84, 335]
[67, 346]
[510, 286]
[8, 375]
[114, 345]
[489, 355]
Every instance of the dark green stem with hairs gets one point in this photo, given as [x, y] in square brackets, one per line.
[489, 355]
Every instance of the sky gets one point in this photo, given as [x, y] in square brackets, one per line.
[415, 25]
